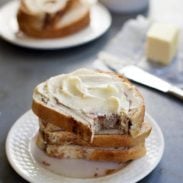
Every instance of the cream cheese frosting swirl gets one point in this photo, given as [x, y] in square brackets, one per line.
[45, 6]
[90, 91]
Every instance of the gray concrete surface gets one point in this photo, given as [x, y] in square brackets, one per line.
[22, 69]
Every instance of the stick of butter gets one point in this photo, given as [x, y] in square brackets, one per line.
[162, 42]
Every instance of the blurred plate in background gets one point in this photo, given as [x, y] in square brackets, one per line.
[9, 30]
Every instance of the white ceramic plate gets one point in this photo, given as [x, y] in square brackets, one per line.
[34, 166]
[9, 30]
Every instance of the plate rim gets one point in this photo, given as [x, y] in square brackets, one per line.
[39, 47]
[138, 178]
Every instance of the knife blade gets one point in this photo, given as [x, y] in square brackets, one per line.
[140, 76]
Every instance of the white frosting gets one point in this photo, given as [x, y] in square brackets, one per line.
[76, 13]
[91, 92]
[45, 6]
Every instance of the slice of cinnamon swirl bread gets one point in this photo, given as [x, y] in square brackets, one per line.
[55, 135]
[88, 102]
[52, 18]
[113, 154]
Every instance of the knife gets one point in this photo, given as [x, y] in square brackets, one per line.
[140, 76]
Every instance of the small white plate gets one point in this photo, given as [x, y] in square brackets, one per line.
[34, 166]
[9, 30]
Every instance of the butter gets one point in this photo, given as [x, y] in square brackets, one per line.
[73, 86]
[89, 91]
[162, 42]
[114, 103]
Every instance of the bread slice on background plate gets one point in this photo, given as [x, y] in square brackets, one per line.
[113, 154]
[52, 18]
[56, 136]
[88, 102]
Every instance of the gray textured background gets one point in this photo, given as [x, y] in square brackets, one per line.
[21, 69]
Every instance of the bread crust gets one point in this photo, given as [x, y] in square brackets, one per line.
[59, 137]
[118, 155]
[43, 26]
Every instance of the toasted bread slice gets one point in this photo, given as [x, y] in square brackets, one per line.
[56, 136]
[63, 102]
[73, 16]
[120, 154]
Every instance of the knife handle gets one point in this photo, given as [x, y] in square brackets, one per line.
[177, 92]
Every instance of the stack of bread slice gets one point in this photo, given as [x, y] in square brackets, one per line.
[53, 18]
[90, 115]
